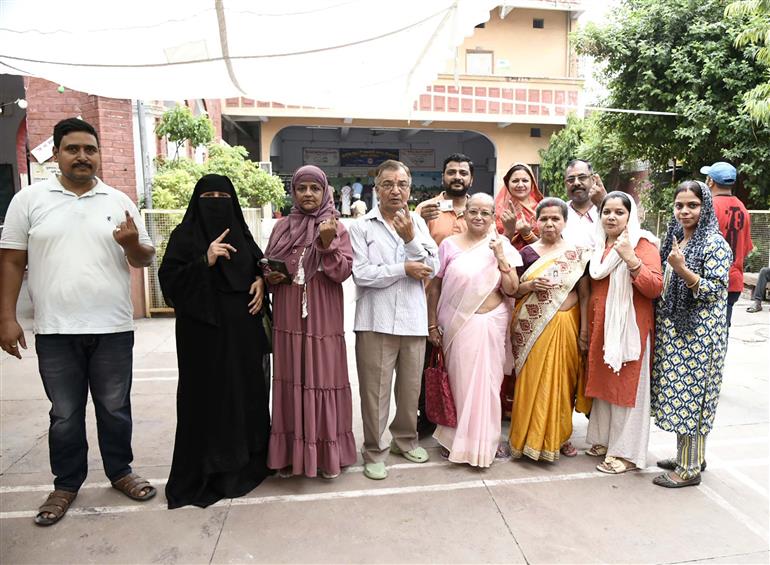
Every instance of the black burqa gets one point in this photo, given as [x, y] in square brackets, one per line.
[223, 422]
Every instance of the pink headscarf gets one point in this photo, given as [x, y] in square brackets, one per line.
[300, 228]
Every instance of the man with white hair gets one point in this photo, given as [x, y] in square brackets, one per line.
[393, 257]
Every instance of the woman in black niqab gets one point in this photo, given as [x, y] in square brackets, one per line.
[210, 274]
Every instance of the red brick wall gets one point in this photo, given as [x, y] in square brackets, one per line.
[112, 119]
[21, 147]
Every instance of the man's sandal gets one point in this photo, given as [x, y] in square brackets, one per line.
[597, 451]
[666, 481]
[55, 507]
[132, 485]
[615, 466]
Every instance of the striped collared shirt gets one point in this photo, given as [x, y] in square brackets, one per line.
[389, 301]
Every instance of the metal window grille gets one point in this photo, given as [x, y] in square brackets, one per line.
[657, 223]
[160, 224]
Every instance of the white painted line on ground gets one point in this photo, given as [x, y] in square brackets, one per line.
[157, 370]
[360, 493]
[717, 464]
[748, 522]
[741, 477]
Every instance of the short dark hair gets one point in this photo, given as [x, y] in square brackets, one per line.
[71, 125]
[552, 202]
[458, 158]
[574, 162]
[624, 198]
[691, 186]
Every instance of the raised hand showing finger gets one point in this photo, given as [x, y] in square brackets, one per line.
[218, 249]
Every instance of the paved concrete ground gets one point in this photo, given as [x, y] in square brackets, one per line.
[438, 512]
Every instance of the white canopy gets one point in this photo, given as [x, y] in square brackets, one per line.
[343, 54]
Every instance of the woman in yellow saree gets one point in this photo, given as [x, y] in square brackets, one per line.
[549, 335]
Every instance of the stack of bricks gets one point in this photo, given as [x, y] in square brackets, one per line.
[111, 118]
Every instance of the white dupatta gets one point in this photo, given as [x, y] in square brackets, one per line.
[622, 342]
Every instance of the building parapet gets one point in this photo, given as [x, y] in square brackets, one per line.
[506, 100]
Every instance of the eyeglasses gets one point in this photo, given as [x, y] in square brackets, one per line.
[483, 213]
[390, 185]
[581, 178]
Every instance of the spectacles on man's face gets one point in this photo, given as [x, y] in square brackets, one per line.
[390, 185]
[581, 178]
[473, 212]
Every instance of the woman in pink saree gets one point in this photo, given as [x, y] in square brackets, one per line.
[468, 315]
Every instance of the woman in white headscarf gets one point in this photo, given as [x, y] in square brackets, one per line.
[627, 278]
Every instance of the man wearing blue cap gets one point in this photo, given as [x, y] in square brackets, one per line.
[734, 223]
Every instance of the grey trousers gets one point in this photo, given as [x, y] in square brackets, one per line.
[378, 355]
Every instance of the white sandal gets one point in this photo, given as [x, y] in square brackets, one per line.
[615, 466]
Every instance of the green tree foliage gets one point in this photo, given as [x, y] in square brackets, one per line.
[680, 56]
[255, 187]
[179, 125]
[175, 179]
[582, 139]
[755, 31]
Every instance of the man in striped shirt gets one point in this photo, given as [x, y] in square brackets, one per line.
[393, 256]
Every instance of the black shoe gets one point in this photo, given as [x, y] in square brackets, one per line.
[665, 481]
[670, 465]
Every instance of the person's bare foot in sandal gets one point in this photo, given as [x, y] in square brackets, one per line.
[597, 450]
[568, 450]
[55, 507]
[135, 487]
[615, 465]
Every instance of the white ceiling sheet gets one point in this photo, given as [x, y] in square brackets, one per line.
[342, 54]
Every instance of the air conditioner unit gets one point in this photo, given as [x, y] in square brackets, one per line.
[266, 166]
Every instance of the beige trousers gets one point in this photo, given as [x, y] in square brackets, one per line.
[377, 356]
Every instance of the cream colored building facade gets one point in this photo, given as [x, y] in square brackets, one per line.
[510, 86]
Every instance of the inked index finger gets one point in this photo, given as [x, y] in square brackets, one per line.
[221, 237]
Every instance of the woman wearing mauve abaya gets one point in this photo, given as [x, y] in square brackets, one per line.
[312, 429]
[211, 276]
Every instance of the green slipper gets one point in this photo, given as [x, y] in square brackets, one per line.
[665, 481]
[416, 455]
[375, 471]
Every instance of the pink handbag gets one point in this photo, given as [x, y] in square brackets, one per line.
[439, 402]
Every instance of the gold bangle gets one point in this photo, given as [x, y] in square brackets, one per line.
[432, 328]
[529, 237]
[693, 285]
[637, 267]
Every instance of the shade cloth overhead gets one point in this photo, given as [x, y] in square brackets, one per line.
[325, 53]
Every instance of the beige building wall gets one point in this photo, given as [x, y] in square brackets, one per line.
[528, 52]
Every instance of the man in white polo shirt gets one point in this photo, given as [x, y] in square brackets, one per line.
[77, 236]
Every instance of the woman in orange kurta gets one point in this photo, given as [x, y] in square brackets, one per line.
[627, 278]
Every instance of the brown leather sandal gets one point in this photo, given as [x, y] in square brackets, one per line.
[132, 486]
[57, 504]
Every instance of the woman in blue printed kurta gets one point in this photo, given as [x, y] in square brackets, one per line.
[691, 332]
